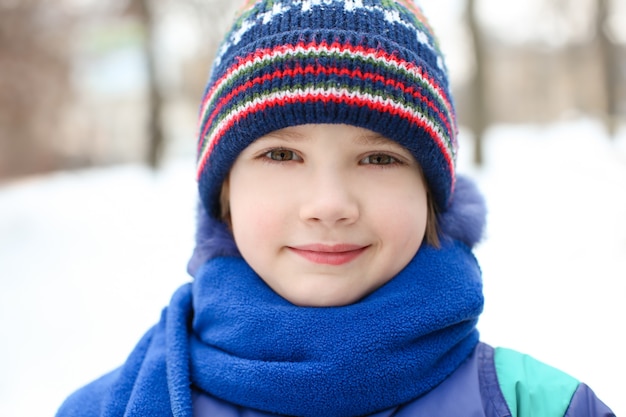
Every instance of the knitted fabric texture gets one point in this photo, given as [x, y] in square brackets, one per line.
[368, 63]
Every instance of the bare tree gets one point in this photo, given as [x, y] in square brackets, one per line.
[156, 139]
[215, 18]
[610, 66]
[34, 85]
[479, 119]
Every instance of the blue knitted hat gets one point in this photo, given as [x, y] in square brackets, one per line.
[368, 63]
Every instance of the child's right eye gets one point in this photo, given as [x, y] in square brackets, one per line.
[281, 155]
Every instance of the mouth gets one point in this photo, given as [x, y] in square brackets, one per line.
[329, 254]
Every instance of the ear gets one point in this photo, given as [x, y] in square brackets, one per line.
[213, 239]
[466, 216]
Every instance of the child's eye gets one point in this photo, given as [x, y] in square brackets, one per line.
[281, 155]
[379, 159]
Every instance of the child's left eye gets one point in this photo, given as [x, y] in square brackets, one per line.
[281, 155]
[379, 159]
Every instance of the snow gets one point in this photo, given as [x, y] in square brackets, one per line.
[88, 259]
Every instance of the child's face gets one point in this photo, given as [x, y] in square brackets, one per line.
[326, 214]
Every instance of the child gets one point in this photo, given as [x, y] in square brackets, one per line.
[333, 272]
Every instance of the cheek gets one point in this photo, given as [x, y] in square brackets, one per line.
[255, 217]
[401, 216]
[260, 197]
[408, 224]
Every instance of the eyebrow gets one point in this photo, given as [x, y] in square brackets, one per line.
[373, 139]
[288, 135]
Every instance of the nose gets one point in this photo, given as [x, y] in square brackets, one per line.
[329, 199]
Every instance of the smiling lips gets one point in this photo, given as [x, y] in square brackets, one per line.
[329, 254]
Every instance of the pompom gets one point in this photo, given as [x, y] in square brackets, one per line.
[466, 216]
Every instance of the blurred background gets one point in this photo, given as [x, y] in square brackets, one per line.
[98, 105]
[92, 83]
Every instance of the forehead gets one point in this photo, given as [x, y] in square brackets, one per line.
[356, 135]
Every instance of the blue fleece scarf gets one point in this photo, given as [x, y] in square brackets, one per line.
[234, 338]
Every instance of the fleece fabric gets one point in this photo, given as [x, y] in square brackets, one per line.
[231, 336]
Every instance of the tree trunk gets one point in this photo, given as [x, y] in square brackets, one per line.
[156, 140]
[609, 62]
[480, 118]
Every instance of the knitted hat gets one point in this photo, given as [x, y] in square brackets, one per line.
[368, 63]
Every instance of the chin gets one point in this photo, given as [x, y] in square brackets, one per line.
[316, 298]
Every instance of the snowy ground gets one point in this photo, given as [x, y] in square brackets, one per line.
[88, 259]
